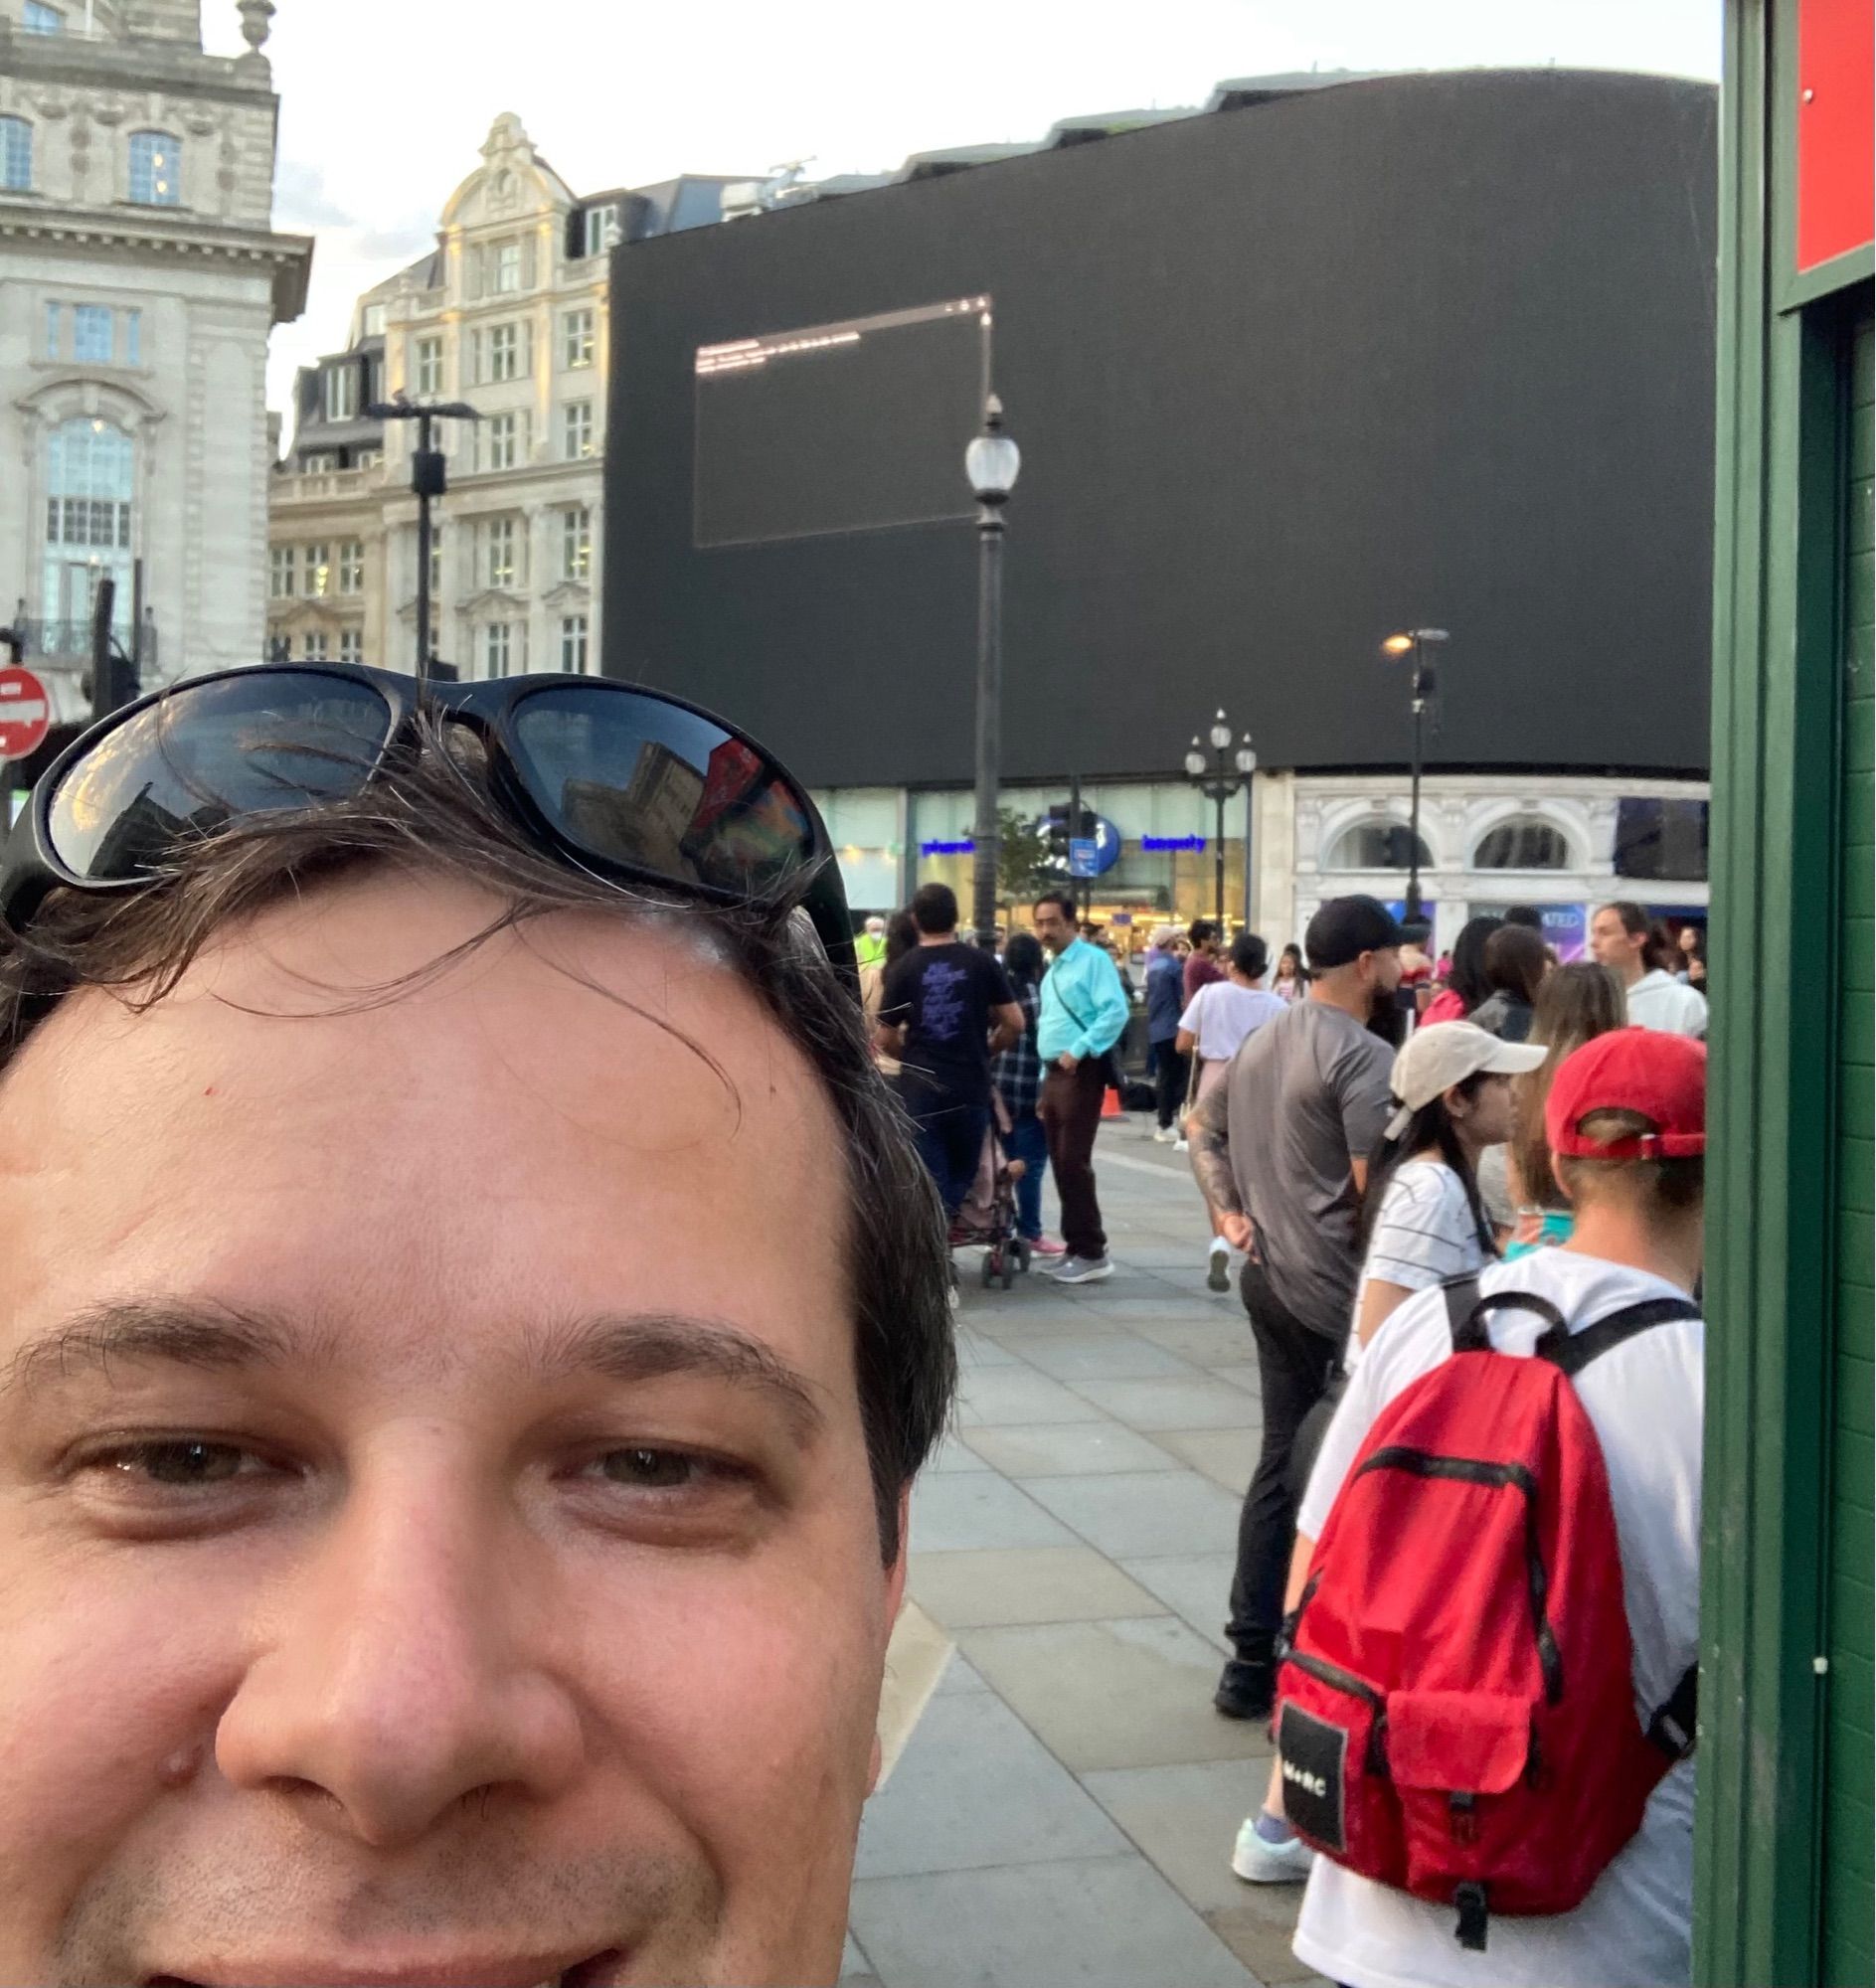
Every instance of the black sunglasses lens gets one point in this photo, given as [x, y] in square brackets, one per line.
[209, 753]
[632, 779]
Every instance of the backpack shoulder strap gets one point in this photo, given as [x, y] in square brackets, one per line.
[1672, 1727]
[1571, 1352]
[1467, 1312]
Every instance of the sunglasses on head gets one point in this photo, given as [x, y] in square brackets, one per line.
[614, 780]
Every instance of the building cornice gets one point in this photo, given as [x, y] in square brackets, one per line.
[287, 257]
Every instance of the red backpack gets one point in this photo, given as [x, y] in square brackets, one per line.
[1456, 1709]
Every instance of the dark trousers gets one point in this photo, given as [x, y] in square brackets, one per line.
[1029, 1143]
[1171, 1078]
[1071, 1116]
[950, 1135]
[1294, 1365]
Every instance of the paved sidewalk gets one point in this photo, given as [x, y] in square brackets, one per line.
[1061, 1797]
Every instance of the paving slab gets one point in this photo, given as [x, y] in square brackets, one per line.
[1186, 1820]
[1110, 1356]
[1202, 1402]
[958, 1676]
[976, 1790]
[1195, 1586]
[1241, 1374]
[1041, 1926]
[1069, 1450]
[1134, 1516]
[977, 1590]
[953, 1455]
[964, 1511]
[1017, 1394]
[1200, 1337]
[1258, 1932]
[1135, 1693]
[1227, 1456]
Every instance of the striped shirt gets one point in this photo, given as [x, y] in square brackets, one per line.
[1424, 1233]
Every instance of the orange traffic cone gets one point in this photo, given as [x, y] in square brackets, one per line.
[1110, 1102]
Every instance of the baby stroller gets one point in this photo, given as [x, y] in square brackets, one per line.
[989, 1215]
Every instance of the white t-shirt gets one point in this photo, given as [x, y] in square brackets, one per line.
[1423, 1235]
[1221, 1014]
[1644, 1399]
[1659, 1000]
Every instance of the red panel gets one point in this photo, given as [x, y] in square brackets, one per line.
[1836, 59]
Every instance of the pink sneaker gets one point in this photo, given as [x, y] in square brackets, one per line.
[1048, 1245]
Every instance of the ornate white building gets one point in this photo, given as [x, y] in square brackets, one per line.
[141, 278]
[509, 314]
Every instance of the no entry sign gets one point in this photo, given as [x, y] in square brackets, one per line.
[25, 714]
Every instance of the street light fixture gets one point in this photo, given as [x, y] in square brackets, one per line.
[1214, 783]
[428, 479]
[991, 462]
[1416, 642]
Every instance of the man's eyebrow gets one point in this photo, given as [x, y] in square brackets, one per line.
[619, 1346]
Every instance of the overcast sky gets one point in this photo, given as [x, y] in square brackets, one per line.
[385, 102]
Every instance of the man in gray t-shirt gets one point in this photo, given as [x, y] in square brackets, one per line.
[1280, 1150]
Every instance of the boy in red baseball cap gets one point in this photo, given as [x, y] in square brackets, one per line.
[1626, 1123]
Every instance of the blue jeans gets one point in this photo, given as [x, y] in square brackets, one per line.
[1029, 1143]
[949, 1136]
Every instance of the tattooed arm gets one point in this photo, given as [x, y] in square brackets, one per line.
[1205, 1131]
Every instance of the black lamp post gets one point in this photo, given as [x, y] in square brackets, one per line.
[427, 480]
[1415, 642]
[1214, 780]
[991, 462]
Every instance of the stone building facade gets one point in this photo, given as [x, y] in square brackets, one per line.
[142, 277]
[508, 315]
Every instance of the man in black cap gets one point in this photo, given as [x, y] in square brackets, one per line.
[1280, 1150]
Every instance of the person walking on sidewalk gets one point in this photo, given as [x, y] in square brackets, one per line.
[1084, 1010]
[1623, 940]
[1280, 1151]
[1016, 1074]
[1207, 939]
[1214, 1028]
[1164, 1000]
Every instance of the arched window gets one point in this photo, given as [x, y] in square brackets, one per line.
[1376, 845]
[91, 470]
[1524, 843]
[16, 155]
[156, 168]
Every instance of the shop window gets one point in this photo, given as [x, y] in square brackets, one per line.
[1662, 840]
[1376, 845]
[1527, 843]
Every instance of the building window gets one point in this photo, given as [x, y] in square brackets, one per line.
[498, 553]
[601, 230]
[375, 320]
[54, 331]
[279, 646]
[572, 642]
[89, 481]
[16, 155]
[316, 648]
[134, 338]
[496, 649]
[39, 19]
[155, 169]
[91, 335]
[575, 543]
[368, 458]
[1376, 845]
[501, 440]
[351, 646]
[282, 566]
[576, 340]
[351, 566]
[577, 429]
[341, 385]
[507, 268]
[317, 459]
[318, 569]
[429, 367]
[1524, 844]
[504, 353]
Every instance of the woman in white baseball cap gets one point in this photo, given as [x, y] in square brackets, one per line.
[1423, 1220]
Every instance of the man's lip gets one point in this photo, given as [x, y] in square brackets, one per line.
[587, 1965]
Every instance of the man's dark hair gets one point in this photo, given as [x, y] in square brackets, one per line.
[1468, 975]
[934, 908]
[1527, 915]
[1249, 956]
[431, 814]
[1202, 931]
[1023, 960]
[1515, 961]
[1063, 903]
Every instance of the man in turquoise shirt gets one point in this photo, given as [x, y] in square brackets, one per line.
[1084, 1010]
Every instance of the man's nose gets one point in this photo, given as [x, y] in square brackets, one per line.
[404, 1669]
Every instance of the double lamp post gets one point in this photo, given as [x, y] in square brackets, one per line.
[1215, 782]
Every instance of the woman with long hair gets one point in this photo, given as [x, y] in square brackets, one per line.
[1016, 1074]
[1516, 961]
[1291, 981]
[1575, 1005]
[901, 936]
[1466, 985]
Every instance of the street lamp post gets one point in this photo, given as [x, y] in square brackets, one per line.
[1416, 642]
[428, 479]
[1213, 778]
[991, 464]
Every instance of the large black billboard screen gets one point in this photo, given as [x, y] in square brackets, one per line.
[849, 426]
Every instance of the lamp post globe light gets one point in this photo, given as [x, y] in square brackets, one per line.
[1416, 642]
[991, 464]
[1213, 778]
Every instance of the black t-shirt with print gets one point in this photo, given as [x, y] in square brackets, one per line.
[941, 996]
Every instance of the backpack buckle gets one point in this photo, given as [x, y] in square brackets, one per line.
[1464, 1817]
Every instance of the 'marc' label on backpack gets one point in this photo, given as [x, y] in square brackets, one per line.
[1312, 1755]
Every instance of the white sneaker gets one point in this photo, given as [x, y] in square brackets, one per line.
[1218, 1278]
[1261, 1863]
[1179, 1146]
[1083, 1270]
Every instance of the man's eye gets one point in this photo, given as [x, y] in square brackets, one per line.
[646, 1469]
[179, 1464]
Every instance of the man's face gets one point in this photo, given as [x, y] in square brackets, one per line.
[1383, 973]
[1612, 942]
[1053, 926]
[518, 1598]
